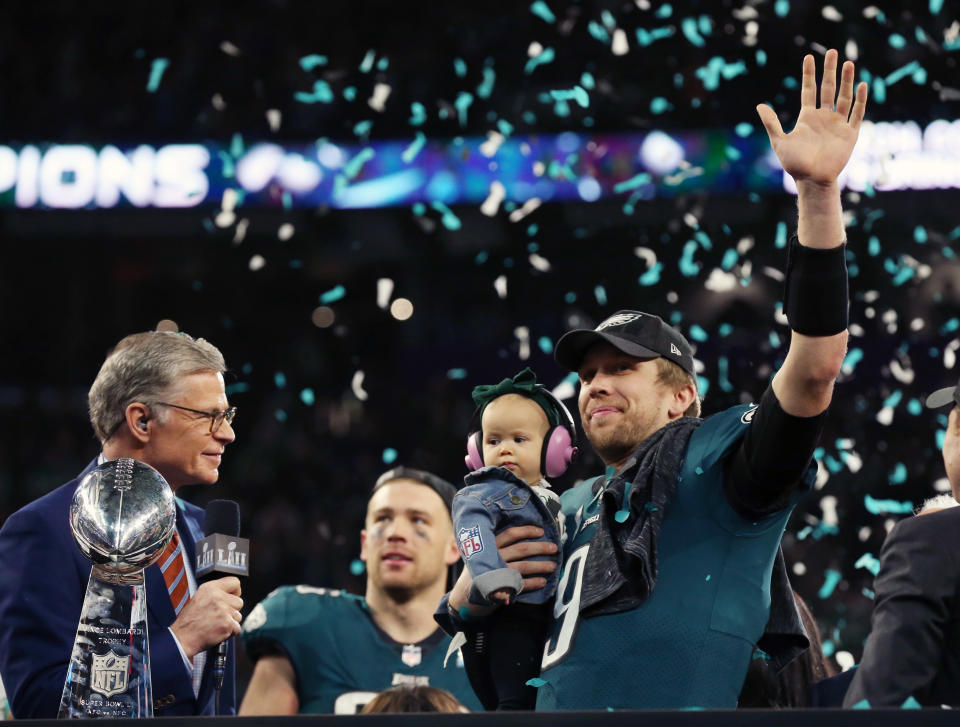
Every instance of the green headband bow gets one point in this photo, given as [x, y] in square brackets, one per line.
[524, 384]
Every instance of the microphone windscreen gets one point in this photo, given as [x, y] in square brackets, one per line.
[222, 516]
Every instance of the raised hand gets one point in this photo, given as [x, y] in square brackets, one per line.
[820, 144]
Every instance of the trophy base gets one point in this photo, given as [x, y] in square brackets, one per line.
[109, 672]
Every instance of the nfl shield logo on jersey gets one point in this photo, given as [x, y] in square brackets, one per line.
[470, 541]
[411, 656]
[109, 674]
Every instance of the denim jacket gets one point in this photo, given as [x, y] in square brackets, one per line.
[493, 500]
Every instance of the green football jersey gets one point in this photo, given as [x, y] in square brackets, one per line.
[340, 657]
[688, 645]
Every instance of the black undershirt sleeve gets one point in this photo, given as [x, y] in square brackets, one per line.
[772, 458]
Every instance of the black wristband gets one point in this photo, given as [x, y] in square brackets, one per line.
[816, 296]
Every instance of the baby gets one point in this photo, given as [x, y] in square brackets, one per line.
[525, 432]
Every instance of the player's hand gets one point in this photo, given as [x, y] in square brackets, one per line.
[212, 615]
[502, 596]
[818, 148]
[515, 546]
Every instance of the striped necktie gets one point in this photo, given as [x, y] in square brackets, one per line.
[175, 574]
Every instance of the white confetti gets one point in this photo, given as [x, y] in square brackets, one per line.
[885, 416]
[523, 336]
[384, 291]
[539, 262]
[647, 255]
[356, 385]
[225, 218]
[285, 232]
[950, 353]
[780, 317]
[534, 49]
[917, 324]
[273, 119]
[871, 296]
[492, 203]
[850, 51]
[745, 244]
[691, 220]
[822, 476]
[500, 285]
[901, 374]
[774, 273]
[864, 534]
[378, 100]
[672, 297]
[217, 102]
[240, 232]
[539, 168]
[799, 568]
[853, 461]
[942, 485]
[493, 142]
[229, 48]
[857, 330]
[720, 281]
[257, 262]
[747, 12]
[565, 390]
[828, 505]
[845, 660]
[831, 13]
[619, 46]
[529, 206]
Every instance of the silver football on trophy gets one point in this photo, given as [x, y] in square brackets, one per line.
[122, 516]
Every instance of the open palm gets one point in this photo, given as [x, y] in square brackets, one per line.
[820, 144]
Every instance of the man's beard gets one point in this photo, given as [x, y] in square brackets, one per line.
[615, 444]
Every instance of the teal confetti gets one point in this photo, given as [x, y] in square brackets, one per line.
[853, 357]
[781, 8]
[410, 153]
[362, 128]
[687, 266]
[664, 11]
[383, 64]
[227, 164]
[911, 703]
[723, 374]
[308, 63]
[485, 89]
[698, 470]
[935, 6]
[505, 127]
[690, 32]
[459, 67]
[780, 241]
[236, 146]
[609, 21]
[533, 229]
[350, 93]
[321, 93]
[600, 293]
[279, 380]
[462, 103]
[919, 234]
[896, 40]
[621, 516]
[873, 246]
[287, 200]
[831, 579]
[418, 114]
[238, 387]
[352, 168]
[761, 57]
[743, 129]
[456, 374]
[545, 56]
[703, 385]
[545, 344]
[540, 9]
[536, 682]
[729, 259]
[732, 153]
[659, 104]
[880, 507]
[707, 578]
[307, 397]
[894, 399]
[448, 220]
[901, 72]
[334, 294]
[697, 333]
[868, 561]
[716, 68]
[862, 704]
[879, 90]
[774, 339]
[389, 455]
[915, 407]
[941, 437]
[652, 276]
[950, 326]
[357, 567]
[280, 415]
[598, 31]
[632, 183]
[646, 37]
[899, 474]
[725, 330]
[367, 63]
[577, 93]
[869, 594]
[157, 68]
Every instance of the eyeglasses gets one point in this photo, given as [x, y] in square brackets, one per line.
[216, 417]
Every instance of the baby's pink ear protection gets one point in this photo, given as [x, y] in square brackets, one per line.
[559, 444]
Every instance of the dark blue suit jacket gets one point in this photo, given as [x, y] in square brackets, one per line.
[43, 579]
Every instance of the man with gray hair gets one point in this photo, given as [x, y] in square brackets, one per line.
[913, 652]
[159, 398]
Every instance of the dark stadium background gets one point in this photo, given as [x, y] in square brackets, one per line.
[73, 283]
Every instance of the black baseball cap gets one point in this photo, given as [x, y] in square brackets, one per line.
[637, 334]
[435, 483]
[942, 397]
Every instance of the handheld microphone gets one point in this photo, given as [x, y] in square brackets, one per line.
[221, 553]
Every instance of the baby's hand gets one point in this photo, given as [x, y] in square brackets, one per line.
[501, 596]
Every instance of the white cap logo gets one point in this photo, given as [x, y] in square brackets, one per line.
[618, 319]
[674, 350]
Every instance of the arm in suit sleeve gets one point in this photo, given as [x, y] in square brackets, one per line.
[914, 592]
[42, 584]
